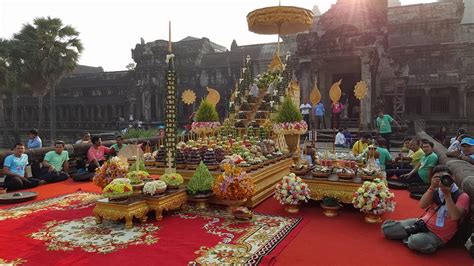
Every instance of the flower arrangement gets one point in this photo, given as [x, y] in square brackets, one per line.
[289, 119]
[110, 170]
[117, 190]
[154, 187]
[291, 190]
[264, 80]
[136, 177]
[173, 179]
[374, 197]
[233, 184]
[201, 182]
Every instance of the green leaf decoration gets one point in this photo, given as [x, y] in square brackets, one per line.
[207, 112]
[202, 181]
[288, 112]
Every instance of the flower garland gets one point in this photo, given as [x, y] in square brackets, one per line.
[110, 170]
[233, 184]
[291, 190]
[374, 197]
[290, 127]
[205, 127]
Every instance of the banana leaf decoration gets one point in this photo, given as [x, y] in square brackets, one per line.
[315, 96]
[361, 89]
[335, 91]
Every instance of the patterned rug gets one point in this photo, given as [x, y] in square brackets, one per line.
[62, 231]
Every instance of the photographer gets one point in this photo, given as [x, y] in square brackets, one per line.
[445, 206]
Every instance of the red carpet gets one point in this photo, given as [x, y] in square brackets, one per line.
[343, 240]
[62, 231]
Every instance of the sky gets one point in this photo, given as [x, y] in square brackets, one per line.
[109, 29]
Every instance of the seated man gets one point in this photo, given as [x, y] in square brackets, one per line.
[446, 204]
[118, 146]
[361, 145]
[455, 149]
[415, 157]
[406, 145]
[96, 154]
[421, 173]
[467, 150]
[56, 164]
[340, 140]
[14, 169]
[384, 154]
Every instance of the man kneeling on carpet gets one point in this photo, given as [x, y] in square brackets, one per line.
[55, 164]
[14, 169]
[445, 205]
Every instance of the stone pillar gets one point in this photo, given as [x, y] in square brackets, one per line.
[462, 101]
[305, 82]
[366, 103]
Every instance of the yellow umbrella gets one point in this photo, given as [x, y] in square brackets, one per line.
[279, 20]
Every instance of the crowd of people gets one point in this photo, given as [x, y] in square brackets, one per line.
[21, 172]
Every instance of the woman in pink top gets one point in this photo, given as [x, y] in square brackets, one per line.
[96, 154]
[446, 206]
[336, 113]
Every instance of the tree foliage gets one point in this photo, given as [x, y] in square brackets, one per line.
[288, 112]
[43, 52]
[207, 112]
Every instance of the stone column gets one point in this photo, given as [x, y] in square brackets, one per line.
[366, 103]
[305, 81]
[462, 101]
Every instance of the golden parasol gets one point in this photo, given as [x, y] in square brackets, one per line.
[280, 20]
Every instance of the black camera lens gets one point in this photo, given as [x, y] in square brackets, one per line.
[447, 180]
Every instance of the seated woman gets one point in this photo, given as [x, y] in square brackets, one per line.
[85, 139]
[96, 154]
[146, 147]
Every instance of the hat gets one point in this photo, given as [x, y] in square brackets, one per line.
[468, 141]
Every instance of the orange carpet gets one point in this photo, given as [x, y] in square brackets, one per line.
[343, 240]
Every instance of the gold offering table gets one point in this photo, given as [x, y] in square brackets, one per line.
[343, 191]
[264, 179]
[138, 207]
[132, 207]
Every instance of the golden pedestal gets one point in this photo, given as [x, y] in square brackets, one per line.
[134, 207]
[342, 191]
[168, 202]
[264, 179]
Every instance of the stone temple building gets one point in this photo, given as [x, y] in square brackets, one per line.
[418, 61]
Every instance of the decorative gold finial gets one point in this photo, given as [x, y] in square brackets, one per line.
[169, 39]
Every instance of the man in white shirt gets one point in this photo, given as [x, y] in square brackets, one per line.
[340, 140]
[305, 108]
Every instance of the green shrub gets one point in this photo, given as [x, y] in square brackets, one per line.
[207, 112]
[202, 181]
[288, 112]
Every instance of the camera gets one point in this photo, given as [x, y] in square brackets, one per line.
[447, 180]
[418, 227]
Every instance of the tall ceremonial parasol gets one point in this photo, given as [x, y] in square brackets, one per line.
[280, 20]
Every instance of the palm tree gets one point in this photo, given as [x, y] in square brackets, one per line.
[48, 51]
